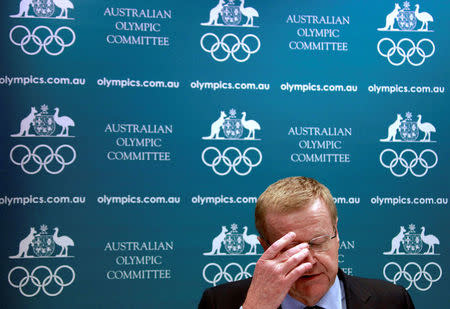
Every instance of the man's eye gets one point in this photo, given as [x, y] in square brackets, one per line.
[318, 241]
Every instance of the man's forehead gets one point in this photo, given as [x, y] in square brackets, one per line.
[293, 218]
[313, 208]
[315, 214]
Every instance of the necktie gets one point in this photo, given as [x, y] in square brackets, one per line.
[314, 307]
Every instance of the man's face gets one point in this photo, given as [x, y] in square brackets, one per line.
[307, 223]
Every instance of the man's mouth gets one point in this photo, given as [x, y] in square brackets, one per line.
[309, 276]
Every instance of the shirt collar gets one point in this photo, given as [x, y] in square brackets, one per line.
[331, 300]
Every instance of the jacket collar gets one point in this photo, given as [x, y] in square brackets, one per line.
[356, 296]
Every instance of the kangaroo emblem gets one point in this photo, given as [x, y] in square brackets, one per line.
[216, 126]
[26, 123]
[24, 245]
[390, 19]
[24, 7]
[214, 14]
[217, 243]
[392, 130]
[396, 241]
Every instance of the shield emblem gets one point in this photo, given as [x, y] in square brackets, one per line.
[43, 245]
[231, 15]
[43, 8]
[44, 125]
[232, 128]
[409, 130]
[412, 243]
[234, 243]
[407, 20]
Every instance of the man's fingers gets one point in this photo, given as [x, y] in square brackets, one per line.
[277, 246]
[295, 260]
[298, 271]
[294, 250]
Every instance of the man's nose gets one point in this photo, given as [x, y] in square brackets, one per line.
[311, 258]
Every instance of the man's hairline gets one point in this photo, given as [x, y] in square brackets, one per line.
[333, 221]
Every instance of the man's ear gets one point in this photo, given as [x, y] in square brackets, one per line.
[263, 243]
[337, 232]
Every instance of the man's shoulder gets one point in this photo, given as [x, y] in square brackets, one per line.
[376, 292]
[227, 295]
[236, 287]
[373, 284]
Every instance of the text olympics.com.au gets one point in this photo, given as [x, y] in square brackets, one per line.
[306, 87]
[221, 85]
[25, 200]
[39, 80]
[405, 89]
[202, 200]
[122, 83]
[399, 200]
[124, 200]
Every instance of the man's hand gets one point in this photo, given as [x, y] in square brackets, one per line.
[275, 273]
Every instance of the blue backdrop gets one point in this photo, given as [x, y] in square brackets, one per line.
[137, 135]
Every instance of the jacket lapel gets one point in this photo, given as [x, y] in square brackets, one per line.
[356, 297]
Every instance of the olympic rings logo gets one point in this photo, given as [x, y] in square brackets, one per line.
[234, 48]
[45, 282]
[38, 160]
[42, 43]
[409, 167]
[232, 163]
[406, 55]
[413, 279]
[224, 273]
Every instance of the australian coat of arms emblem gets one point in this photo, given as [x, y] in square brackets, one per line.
[231, 14]
[234, 242]
[43, 8]
[406, 18]
[412, 243]
[43, 244]
[43, 123]
[232, 126]
[409, 131]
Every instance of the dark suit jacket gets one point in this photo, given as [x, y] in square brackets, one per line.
[360, 293]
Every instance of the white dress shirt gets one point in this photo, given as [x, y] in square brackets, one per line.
[333, 299]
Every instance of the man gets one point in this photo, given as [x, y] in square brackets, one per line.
[297, 222]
